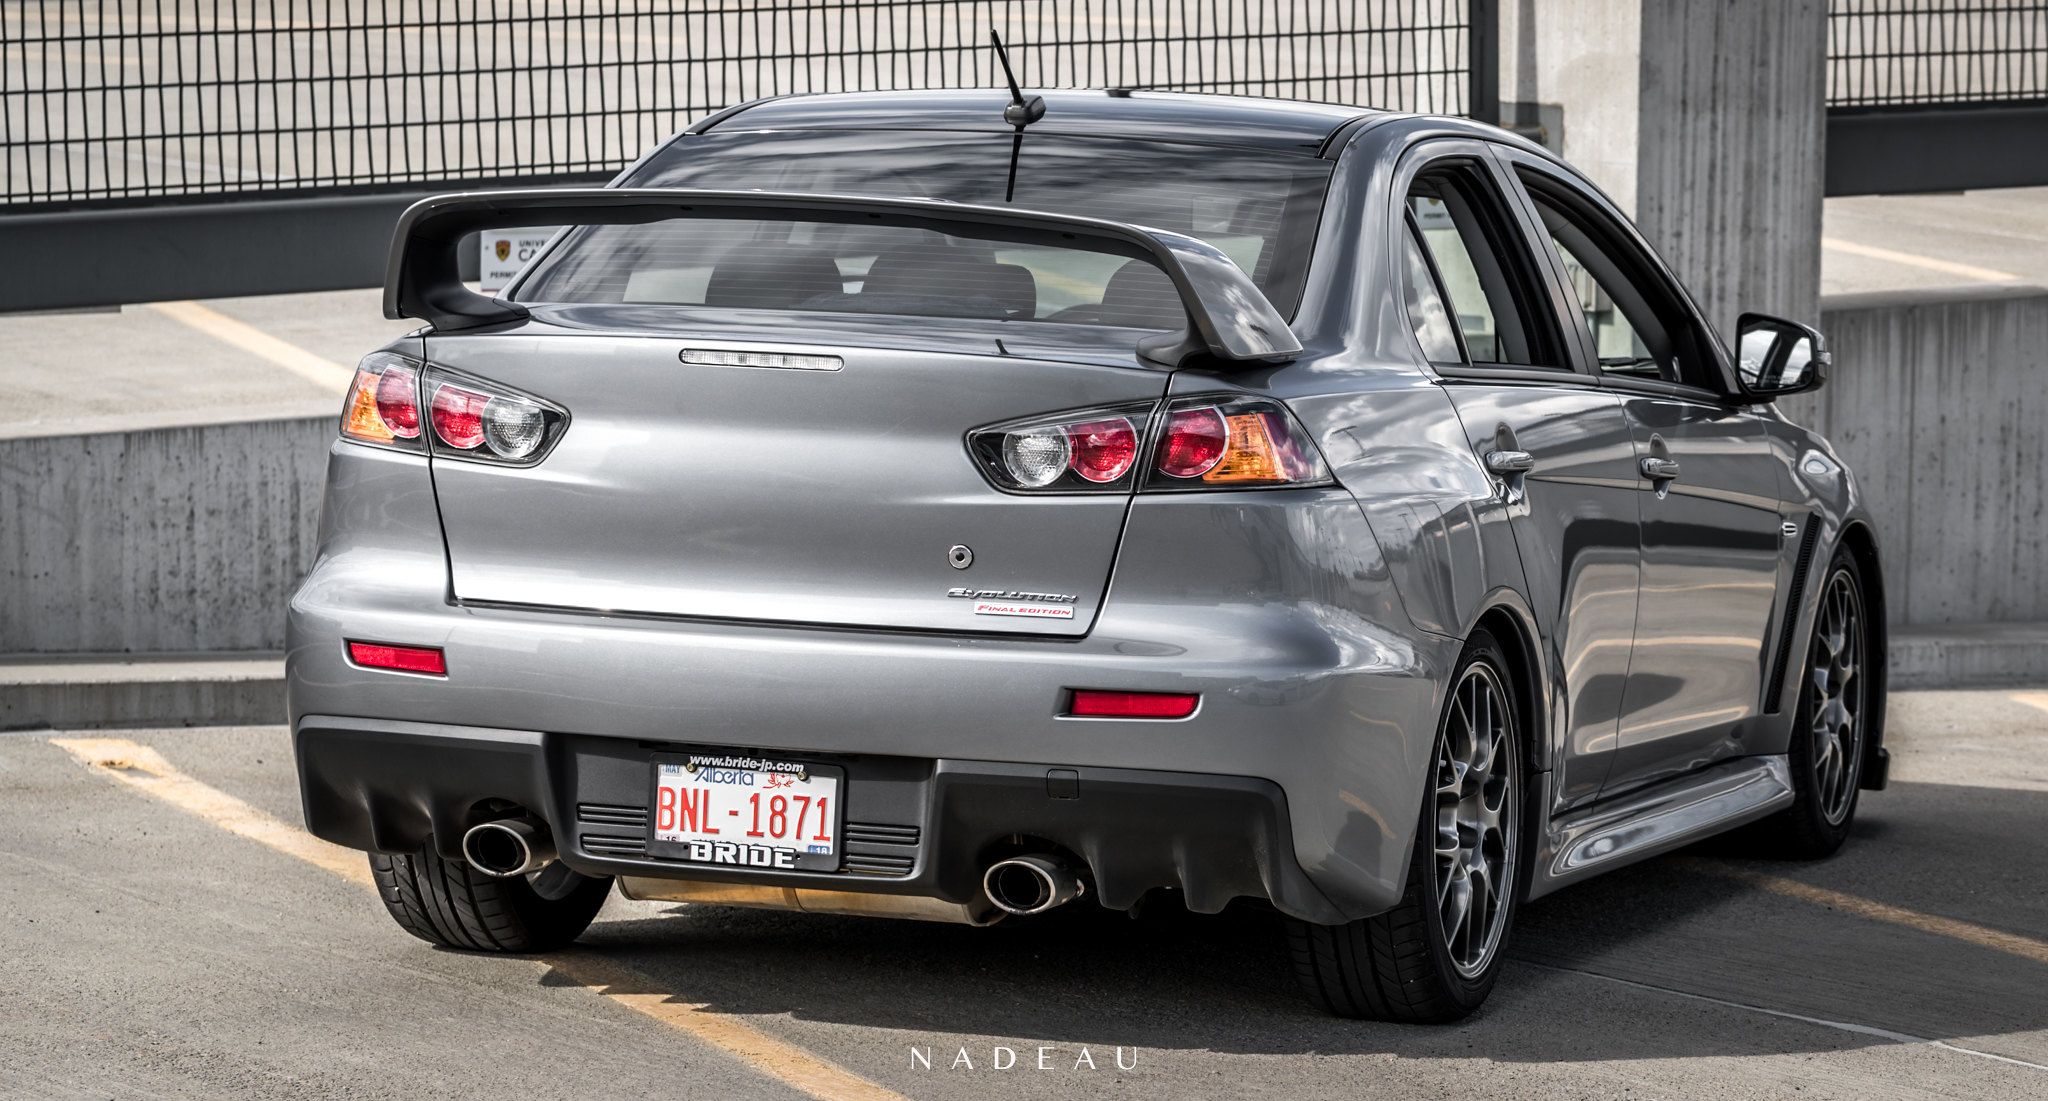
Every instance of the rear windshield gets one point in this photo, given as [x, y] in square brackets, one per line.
[1258, 208]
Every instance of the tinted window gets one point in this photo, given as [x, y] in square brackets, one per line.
[1640, 327]
[1481, 276]
[1427, 313]
[1259, 208]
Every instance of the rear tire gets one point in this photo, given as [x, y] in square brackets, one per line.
[1830, 728]
[1420, 962]
[449, 903]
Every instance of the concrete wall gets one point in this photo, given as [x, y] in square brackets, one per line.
[157, 539]
[1704, 119]
[1939, 401]
[1585, 59]
[1730, 143]
[191, 537]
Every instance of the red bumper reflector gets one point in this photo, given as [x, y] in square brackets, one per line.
[405, 659]
[1094, 704]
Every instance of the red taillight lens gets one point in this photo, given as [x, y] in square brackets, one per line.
[405, 659]
[1195, 441]
[1092, 703]
[398, 402]
[1102, 451]
[1234, 442]
[459, 416]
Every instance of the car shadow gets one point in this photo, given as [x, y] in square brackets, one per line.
[1705, 922]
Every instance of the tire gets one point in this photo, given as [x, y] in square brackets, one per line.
[1401, 965]
[1830, 727]
[448, 903]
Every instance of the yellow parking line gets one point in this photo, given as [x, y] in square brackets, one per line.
[145, 770]
[142, 768]
[1910, 259]
[2026, 948]
[256, 342]
[2032, 699]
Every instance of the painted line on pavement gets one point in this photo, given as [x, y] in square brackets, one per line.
[1997, 940]
[1843, 1026]
[240, 334]
[144, 769]
[1915, 260]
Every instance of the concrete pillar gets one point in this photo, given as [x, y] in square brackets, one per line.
[1704, 119]
[1730, 150]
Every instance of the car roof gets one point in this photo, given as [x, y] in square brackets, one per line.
[1276, 124]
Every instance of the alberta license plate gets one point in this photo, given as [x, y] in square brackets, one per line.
[746, 811]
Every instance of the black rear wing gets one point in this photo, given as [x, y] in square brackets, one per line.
[1228, 317]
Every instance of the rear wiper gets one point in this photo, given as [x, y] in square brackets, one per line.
[1020, 112]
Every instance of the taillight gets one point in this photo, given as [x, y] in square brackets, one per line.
[458, 414]
[1214, 441]
[1084, 451]
[398, 401]
[1195, 439]
[468, 418]
[1102, 451]
[475, 419]
[383, 404]
[1230, 443]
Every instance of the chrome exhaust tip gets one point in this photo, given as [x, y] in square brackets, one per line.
[508, 846]
[1030, 884]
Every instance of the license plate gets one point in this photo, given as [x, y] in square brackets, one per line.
[746, 812]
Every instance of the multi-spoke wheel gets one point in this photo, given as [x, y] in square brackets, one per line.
[1475, 819]
[1433, 957]
[1835, 720]
[1831, 729]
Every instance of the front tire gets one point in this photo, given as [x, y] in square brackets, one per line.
[1830, 729]
[1434, 957]
[448, 903]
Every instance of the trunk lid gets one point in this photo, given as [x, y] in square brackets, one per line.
[766, 494]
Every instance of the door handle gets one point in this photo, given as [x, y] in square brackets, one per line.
[1510, 462]
[1659, 470]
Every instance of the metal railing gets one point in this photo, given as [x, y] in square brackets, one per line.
[114, 101]
[1917, 53]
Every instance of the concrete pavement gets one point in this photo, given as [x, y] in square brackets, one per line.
[156, 952]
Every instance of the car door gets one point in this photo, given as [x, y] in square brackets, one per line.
[1708, 487]
[1557, 443]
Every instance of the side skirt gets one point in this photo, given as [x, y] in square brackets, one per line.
[1644, 823]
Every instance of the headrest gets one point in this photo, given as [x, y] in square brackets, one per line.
[765, 275]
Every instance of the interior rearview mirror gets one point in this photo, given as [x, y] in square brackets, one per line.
[1774, 357]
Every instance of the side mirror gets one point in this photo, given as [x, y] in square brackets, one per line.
[1775, 357]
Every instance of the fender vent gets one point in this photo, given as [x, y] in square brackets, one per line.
[1795, 598]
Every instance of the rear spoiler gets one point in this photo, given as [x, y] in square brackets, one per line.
[1228, 316]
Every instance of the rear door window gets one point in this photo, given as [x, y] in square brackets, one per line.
[1462, 260]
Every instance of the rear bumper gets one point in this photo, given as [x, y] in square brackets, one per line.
[1273, 606]
[921, 827]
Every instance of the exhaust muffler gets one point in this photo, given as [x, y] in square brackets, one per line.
[1030, 884]
[507, 847]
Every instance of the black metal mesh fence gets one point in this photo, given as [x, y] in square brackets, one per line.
[130, 99]
[1897, 53]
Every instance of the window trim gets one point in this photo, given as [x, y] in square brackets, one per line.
[1530, 282]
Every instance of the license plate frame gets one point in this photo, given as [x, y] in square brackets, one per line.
[750, 853]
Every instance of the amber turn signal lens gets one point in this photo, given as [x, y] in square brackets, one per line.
[361, 420]
[1251, 455]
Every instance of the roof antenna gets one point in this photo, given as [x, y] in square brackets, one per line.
[1019, 113]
